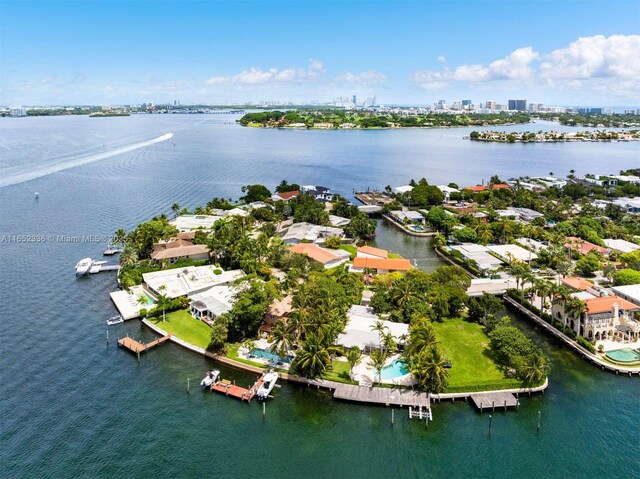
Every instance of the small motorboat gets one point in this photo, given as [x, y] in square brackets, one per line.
[115, 320]
[268, 383]
[83, 266]
[210, 378]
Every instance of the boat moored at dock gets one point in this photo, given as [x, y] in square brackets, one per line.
[83, 266]
[115, 320]
[268, 383]
[210, 378]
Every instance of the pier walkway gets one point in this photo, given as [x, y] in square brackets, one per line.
[494, 399]
[228, 388]
[376, 395]
[138, 347]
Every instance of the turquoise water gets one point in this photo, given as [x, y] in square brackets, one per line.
[268, 355]
[416, 228]
[149, 300]
[395, 369]
[625, 355]
[139, 421]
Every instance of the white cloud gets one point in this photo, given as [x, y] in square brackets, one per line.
[258, 76]
[516, 65]
[596, 64]
[369, 77]
[442, 59]
[597, 56]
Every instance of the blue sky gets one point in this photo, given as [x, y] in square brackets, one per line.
[110, 52]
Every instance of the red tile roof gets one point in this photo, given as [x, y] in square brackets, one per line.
[584, 246]
[288, 194]
[370, 250]
[380, 263]
[315, 252]
[577, 283]
[605, 304]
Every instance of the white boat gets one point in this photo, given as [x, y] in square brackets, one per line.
[83, 266]
[96, 266]
[210, 378]
[268, 383]
[115, 320]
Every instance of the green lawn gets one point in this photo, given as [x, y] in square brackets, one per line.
[232, 353]
[466, 345]
[182, 325]
[349, 249]
[395, 256]
[339, 373]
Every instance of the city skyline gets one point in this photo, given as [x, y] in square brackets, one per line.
[403, 53]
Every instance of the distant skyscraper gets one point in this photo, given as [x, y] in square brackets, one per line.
[442, 104]
[466, 102]
[354, 100]
[518, 105]
[491, 105]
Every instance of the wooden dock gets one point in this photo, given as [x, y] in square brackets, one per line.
[138, 347]
[378, 395]
[494, 400]
[227, 388]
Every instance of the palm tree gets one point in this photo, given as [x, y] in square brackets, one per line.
[403, 293]
[439, 240]
[575, 308]
[561, 296]
[378, 358]
[484, 233]
[429, 370]
[175, 208]
[162, 300]
[389, 343]
[313, 359]
[535, 368]
[119, 236]
[283, 337]
[421, 336]
[381, 328]
[353, 356]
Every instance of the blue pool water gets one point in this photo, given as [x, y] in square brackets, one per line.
[625, 355]
[268, 355]
[416, 228]
[396, 369]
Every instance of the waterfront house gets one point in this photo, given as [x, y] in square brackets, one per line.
[359, 330]
[621, 246]
[380, 265]
[583, 246]
[298, 232]
[186, 281]
[211, 303]
[446, 191]
[338, 221]
[179, 248]
[371, 252]
[194, 222]
[402, 189]
[479, 254]
[285, 196]
[629, 292]
[328, 258]
[320, 193]
[510, 252]
[605, 317]
[279, 309]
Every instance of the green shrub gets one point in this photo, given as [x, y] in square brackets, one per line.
[585, 343]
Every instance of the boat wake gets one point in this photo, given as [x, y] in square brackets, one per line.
[65, 165]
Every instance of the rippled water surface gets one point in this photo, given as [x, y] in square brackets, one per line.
[73, 406]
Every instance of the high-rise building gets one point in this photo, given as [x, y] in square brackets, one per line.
[466, 102]
[490, 105]
[518, 105]
[442, 104]
[355, 100]
[17, 111]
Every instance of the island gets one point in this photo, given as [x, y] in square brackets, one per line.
[553, 136]
[326, 119]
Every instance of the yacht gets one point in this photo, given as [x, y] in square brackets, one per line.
[210, 378]
[268, 383]
[83, 266]
[115, 320]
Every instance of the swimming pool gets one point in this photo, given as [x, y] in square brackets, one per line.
[269, 356]
[396, 369]
[416, 228]
[625, 355]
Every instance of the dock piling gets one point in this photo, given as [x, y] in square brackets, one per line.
[107, 338]
[391, 417]
[490, 423]
[188, 386]
[539, 414]
[264, 408]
